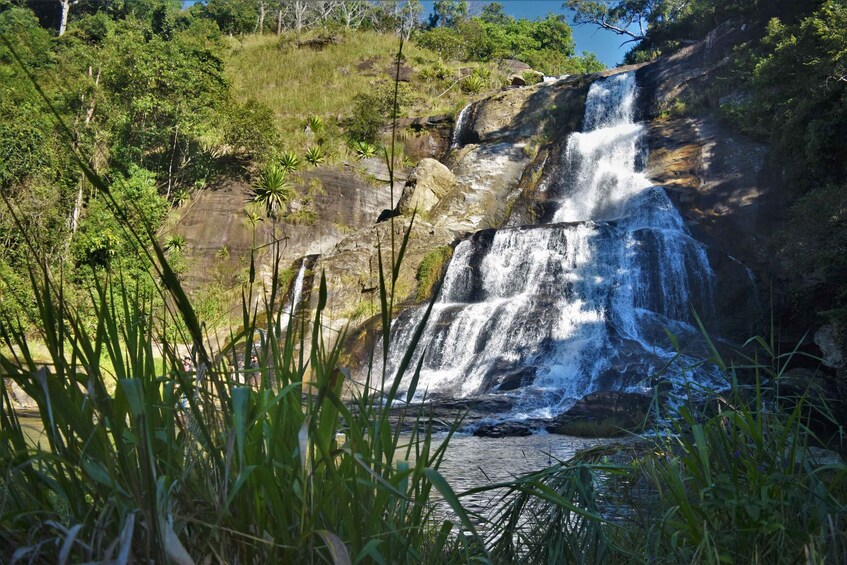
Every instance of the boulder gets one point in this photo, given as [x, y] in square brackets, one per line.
[513, 66]
[517, 80]
[427, 185]
[503, 429]
[604, 414]
[832, 344]
[20, 399]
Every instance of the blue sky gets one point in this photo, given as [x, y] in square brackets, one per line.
[605, 44]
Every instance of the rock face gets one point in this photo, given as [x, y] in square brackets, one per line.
[715, 178]
[219, 237]
[425, 137]
[20, 400]
[497, 160]
[427, 185]
[831, 341]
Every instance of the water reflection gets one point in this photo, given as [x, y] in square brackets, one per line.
[477, 461]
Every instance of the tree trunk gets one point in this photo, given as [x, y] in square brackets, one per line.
[279, 20]
[77, 207]
[260, 27]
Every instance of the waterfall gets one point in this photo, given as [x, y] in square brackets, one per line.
[548, 313]
[459, 126]
[294, 296]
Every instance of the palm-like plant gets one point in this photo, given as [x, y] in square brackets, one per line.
[315, 123]
[289, 161]
[175, 242]
[364, 150]
[315, 155]
[273, 189]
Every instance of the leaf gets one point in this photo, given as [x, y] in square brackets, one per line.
[370, 550]
[174, 548]
[68, 544]
[450, 497]
[340, 555]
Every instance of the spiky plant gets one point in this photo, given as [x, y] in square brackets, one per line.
[273, 190]
[315, 123]
[289, 161]
[364, 150]
[473, 84]
[315, 155]
[175, 242]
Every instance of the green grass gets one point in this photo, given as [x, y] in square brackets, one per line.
[260, 68]
[431, 270]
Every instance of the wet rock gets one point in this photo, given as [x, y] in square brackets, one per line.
[504, 429]
[20, 399]
[427, 185]
[603, 414]
[386, 215]
[831, 341]
[824, 404]
[516, 380]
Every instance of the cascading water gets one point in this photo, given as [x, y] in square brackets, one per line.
[295, 295]
[546, 314]
[459, 126]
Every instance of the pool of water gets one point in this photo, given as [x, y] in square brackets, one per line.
[471, 462]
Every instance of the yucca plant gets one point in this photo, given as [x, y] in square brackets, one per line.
[472, 84]
[315, 155]
[289, 161]
[175, 242]
[364, 150]
[273, 190]
[315, 123]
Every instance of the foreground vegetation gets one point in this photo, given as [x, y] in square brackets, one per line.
[226, 462]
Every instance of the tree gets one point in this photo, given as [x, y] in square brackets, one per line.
[493, 14]
[629, 18]
[63, 21]
[448, 13]
[233, 16]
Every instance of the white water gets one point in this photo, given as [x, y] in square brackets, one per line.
[547, 314]
[459, 126]
[292, 302]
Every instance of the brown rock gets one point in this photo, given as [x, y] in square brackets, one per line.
[427, 185]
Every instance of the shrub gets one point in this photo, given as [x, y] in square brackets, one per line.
[289, 162]
[364, 150]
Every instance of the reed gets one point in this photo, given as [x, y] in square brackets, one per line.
[213, 461]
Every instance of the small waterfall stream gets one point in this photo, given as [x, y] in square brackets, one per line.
[548, 313]
[460, 125]
[294, 297]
